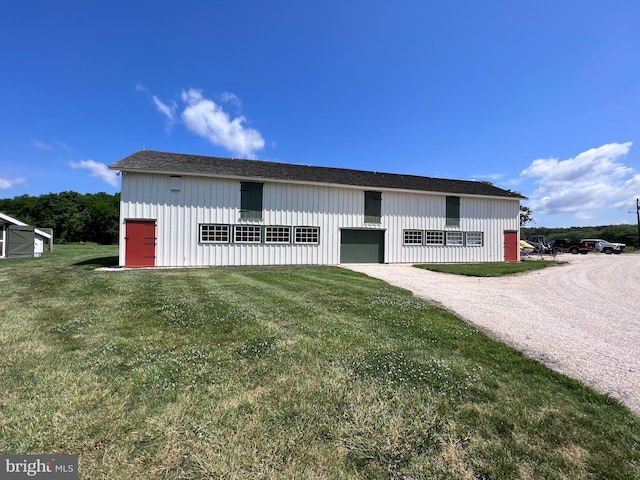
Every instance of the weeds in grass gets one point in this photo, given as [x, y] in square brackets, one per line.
[280, 373]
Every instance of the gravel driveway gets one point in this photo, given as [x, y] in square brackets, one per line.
[581, 319]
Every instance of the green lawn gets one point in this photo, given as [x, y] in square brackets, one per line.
[497, 269]
[279, 373]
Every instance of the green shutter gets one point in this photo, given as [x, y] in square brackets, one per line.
[250, 200]
[372, 207]
[453, 211]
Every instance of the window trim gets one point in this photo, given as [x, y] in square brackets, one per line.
[271, 242]
[454, 233]
[466, 239]
[295, 235]
[414, 231]
[441, 234]
[200, 232]
[256, 228]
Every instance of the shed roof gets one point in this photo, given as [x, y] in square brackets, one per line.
[12, 220]
[6, 218]
[183, 164]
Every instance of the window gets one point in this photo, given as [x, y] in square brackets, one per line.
[277, 234]
[247, 233]
[215, 233]
[453, 211]
[2, 254]
[474, 239]
[307, 234]
[455, 238]
[413, 237]
[435, 237]
[250, 200]
[372, 207]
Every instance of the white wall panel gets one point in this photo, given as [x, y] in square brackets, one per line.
[208, 200]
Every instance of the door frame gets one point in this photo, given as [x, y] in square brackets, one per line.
[128, 260]
[511, 243]
[381, 233]
[3, 240]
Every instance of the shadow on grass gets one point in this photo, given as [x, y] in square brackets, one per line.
[111, 261]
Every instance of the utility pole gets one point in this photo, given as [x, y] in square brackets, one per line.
[638, 214]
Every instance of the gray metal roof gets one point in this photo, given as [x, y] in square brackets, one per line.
[199, 165]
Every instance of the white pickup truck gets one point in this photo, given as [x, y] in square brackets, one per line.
[605, 247]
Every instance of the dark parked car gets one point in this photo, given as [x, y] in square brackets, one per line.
[565, 245]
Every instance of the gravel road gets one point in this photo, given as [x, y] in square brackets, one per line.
[581, 319]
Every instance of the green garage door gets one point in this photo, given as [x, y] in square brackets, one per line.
[362, 246]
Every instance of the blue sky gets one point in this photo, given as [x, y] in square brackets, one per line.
[540, 97]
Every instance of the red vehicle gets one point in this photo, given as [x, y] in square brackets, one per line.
[565, 245]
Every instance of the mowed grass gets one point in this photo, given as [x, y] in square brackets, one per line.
[279, 373]
[497, 269]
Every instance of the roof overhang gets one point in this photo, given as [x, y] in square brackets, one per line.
[246, 178]
[15, 221]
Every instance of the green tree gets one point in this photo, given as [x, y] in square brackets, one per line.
[104, 214]
[74, 217]
[627, 234]
[525, 215]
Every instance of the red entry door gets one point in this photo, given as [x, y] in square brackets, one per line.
[140, 243]
[510, 246]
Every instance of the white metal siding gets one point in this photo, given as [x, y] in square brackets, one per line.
[492, 217]
[179, 212]
[38, 246]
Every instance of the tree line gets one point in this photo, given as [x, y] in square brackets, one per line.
[624, 233]
[74, 217]
[94, 217]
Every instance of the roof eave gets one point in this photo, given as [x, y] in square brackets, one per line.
[15, 221]
[307, 182]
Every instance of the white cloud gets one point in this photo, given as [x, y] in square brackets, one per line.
[228, 97]
[585, 184]
[42, 146]
[6, 183]
[57, 145]
[167, 110]
[207, 119]
[490, 177]
[98, 170]
[592, 163]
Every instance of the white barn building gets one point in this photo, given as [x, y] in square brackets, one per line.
[182, 210]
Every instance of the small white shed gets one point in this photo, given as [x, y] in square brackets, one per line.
[17, 239]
